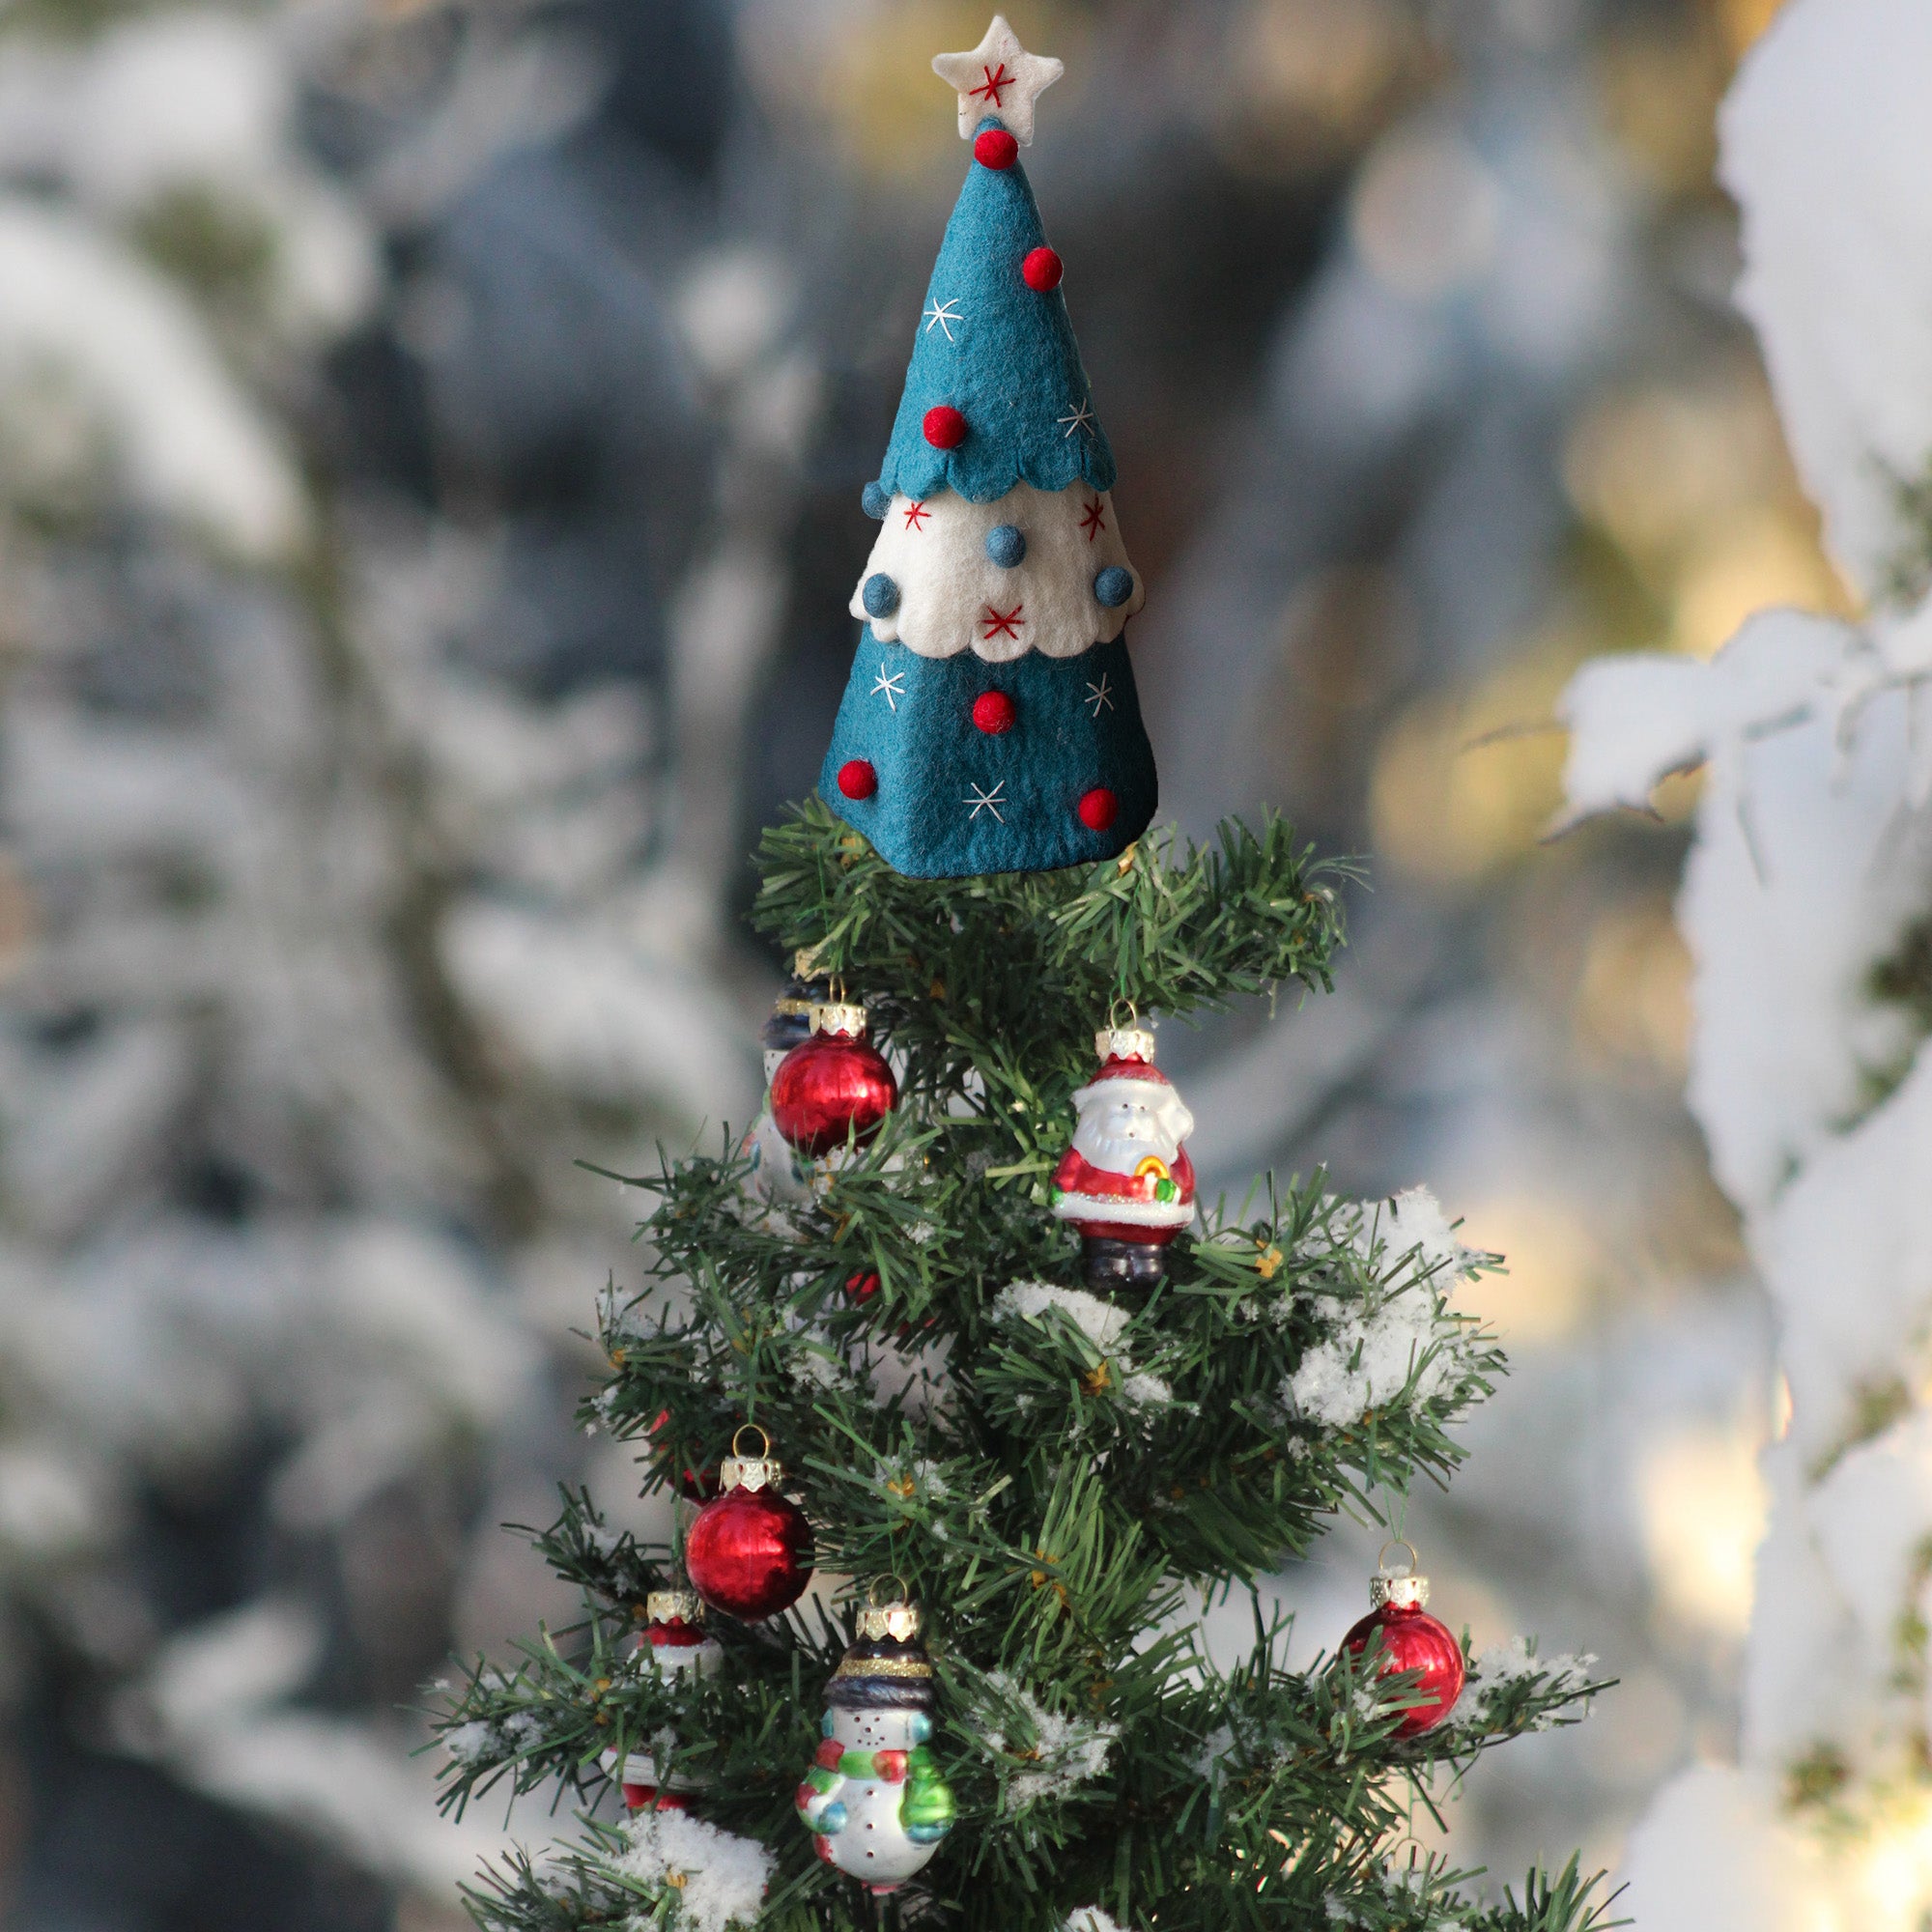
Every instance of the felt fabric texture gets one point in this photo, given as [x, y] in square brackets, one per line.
[957, 800]
[948, 583]
[1000, 353]
[998, 78]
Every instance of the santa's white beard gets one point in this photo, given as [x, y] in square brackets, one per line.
[1121, 1154]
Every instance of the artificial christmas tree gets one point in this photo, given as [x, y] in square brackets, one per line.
[1046, 1475]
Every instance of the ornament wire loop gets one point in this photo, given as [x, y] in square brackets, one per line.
[764, 1442]
[1398, 1543]
[875, 1602]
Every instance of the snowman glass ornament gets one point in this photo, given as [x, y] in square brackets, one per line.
[874, 1799]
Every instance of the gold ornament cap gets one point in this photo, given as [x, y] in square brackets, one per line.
[1124, 1043]
[845, 1017]
[674, 1606]
[1129, 1042]
[893, 1618]
[761, 1472]
[1405, 1589]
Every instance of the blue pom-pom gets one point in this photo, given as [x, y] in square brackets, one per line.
[832, 1819]
[1113, 586]
[918, 1726]
[1006, 545]
[881, 595]
[825, 1725]
[875, 502]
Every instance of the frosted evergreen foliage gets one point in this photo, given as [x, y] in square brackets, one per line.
[1070, 1472]
[1808, 905]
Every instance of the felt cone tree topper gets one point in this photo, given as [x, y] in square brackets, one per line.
[991, 723]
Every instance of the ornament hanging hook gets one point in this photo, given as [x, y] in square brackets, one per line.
[875, 1602]
[764, 1442]
[1114, 1014]
[1397, 1543]
[1415, 1847]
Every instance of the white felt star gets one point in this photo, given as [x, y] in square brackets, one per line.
[982, 800]
[998, 78]
[1080, 416]
[893, 683]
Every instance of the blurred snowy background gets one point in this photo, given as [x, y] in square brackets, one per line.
[431, 436]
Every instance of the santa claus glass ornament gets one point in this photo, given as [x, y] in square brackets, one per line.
[1126, 1182]
[749, 1552]
[1411, 1640]
[835, 1084]
[673, 1644]
[874, 1799]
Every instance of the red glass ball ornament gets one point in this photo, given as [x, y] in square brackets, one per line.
[945, 428]
[857, 779]
[833, 1085]
[1042, 270]
[1415, 1641]
[750, 1552]
[996, 149]
[1097, 808]
[994, 712]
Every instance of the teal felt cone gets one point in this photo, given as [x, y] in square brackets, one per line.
[991, 723]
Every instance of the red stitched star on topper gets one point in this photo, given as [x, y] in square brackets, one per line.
[1093, 521]
[916, 516]
[984, 75]
[1002, 623]
[995, 81]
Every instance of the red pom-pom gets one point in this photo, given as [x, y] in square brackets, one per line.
[857, 779]
[1098, 808]
[749, 1553]
[1415, 1641]
[1042, 270]
[945, 427]
[994, 712]
[891, 1765]
[829, 1085]
[996, 149]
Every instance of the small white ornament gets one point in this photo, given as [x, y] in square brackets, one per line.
[673, 1645]
[999, 78]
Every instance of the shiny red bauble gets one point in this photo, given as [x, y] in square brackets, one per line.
[1415, 1641]
[835, 1084]
[750, 1552]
